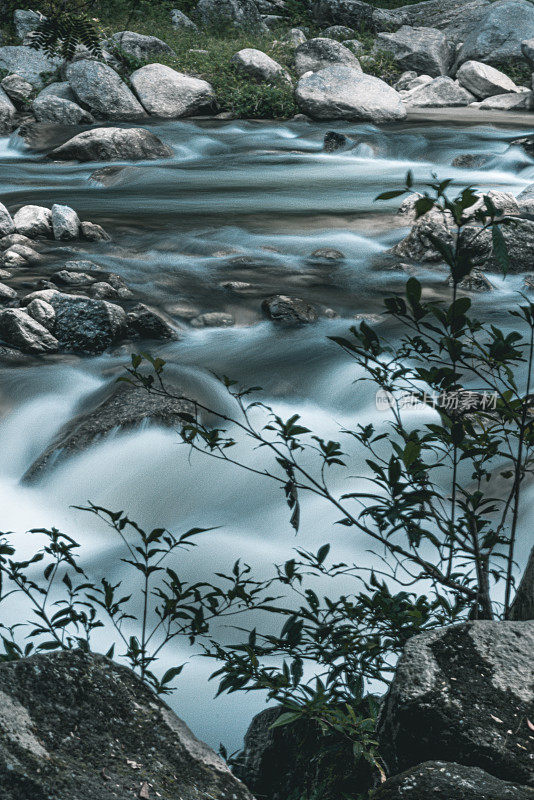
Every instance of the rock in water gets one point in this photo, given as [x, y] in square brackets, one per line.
[84, 325]
[100, 88]
[149, 324]
[112, 144]
[484, 81]
[75, 724]
[316, 54]
[7, 226]
[170, 94]
[438, 780]
[20, 330]
[289, 310]
[33, 221]
[497, 38]
[464, 694]
[65, 223]
[344, 93]
[421, 49]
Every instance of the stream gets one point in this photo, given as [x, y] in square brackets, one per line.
[238, 201]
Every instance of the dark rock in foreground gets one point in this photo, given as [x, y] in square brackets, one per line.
[289, 310]
[76, 725]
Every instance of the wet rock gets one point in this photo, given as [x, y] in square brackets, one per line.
[82, 265]
[289, 310]
[439, 93]
[440, 780]
[526, 142]
[421, 49]
[7, 226]
[519, 238]
[338, 32]
[28, 63]
[183, 310]
[240, 14]
[326, 255]
[7, 113]
[294, 37]
[335, 141]
[33, 221]
[42, 312]
[7, 294]
[100, 88]
[170, 94]
[213, 319]
[65, 223]
[93, 233]
[16, 238]
[525, 200]
[344, 93]
[20, 255]
[122, 731]
[482, 80]
[17, 89]
[470, 160]
[316, 54]
[527, 48]
[136, 45]
[476, 281]
[112, 144]
[26, 21]
[180, 21]
[84, 325]
[419, 245]
[59, 110]
[521, 101]
[149, 324]
[68, 278]
[102, 290]
[259, 65]
[497, 37]
[463, 693]
[20, 330]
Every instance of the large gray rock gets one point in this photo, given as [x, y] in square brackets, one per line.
[26, 21]
[33, 221]
[76, 725]
[7, 226]
[170, 94]
[60, 89]
[42, 312]
[527, 48]
[439, 93]
[520, 101]
[20, 330]
[17, 89]
[112, 144]
[519, 238]
[180, 21]
[99, 87]
[7, 112]
[65, 223]
[28, 63]
[136, 45]
[149, 324]
[345, 93]
[482, 80]
[351, 13]
[421, 49]
[84, 325]
[463, 694]
[497, 38]
[316, 54]
[259, 65]
[294, 37]
[56, 109]
[241, 14]
[440, 780]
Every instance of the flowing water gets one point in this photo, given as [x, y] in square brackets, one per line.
[238, 201]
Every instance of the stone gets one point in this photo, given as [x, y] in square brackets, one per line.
[7, 113]
[84, 325]
[463, 693]
[520, 101]
[497, 38]
[470, 160]
[42, 312]
[421, 49]
[59, 89]
[336, 141]
[527, 48]
[344, 93]
[526, 142]
[51, 108]
[338, 32]
[483, 81]
[102, 290]
[28, 63]
[259, 65]
[20, 255]
[26, 21]
[180, 21]
[354, 45]
[316, 54]
[65, 223]
[351, 13]
[439, 93]
[121, 730]
[418, 244]
[440, 780]
[101, 89]
[294, 37]
[240, 14]
[7, 293]
[476, 281]
[405, 80]
[17, 89]
[525, 200]
[33, 221]
[15, 238]
[167, 93]
[326, 255]
[112, 144]
[289, 310]
[213, 319]
[69, 278]
[7, 226]
[93, 233]
[519, 239]
[136, 45]
[149, 324]
[20, 330]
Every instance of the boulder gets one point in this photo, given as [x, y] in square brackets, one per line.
[119, 406]
[316, 54]
[259, 65]
[333, 141]
[26, 21]
[20, 330]
[93, 233]
[28, 63]
[112, 144]
[136, 45]
[7, 293]
[421, 49]
[42, 312]
[440, 780]
[149, 324]
[294, 37]
[17, 89]
[84, 325]
[519, 238]
[76, 725]
[497, 38]
[482, 80]
[418, 244]
[439, 93]
[14, 238]
[7, 226]
[51, 108]
[170, 94]
[351, 13]
[65, 223]
[463, 694]
[338, 32]
[519, 101]
[289, 310]
[180, 21]
[20, 255]
[33, 221]
[100, 88]
[213, 319]
[241, 14]
[59, 89]
[525, 200]
[7, 113]
[344, 93]
[527, 48]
